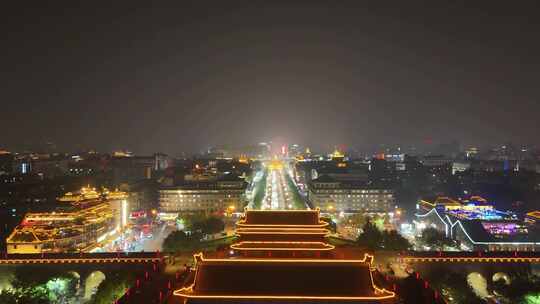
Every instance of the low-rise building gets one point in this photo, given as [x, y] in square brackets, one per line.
[435, 160]
[477, 225]
[225, 194]
[460, 166]
[79, 229]
[533, 218]
[332, 195]
[6, 162]
[80, 222]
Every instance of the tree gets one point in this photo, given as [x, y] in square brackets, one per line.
[371, 237]
[112, 288]
[32, 276]
[181, 241]
[33, 295]
[451, 284]
[62, 289]
[213, 225]
[434, 238]
[206, 226]
[531, 298]
[8, 296]
[192, 222]
[524, 287]
[357, 220]
[392, 240]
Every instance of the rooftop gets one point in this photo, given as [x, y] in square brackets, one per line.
[285, 279]
[477, 232]
[293, 230]
[281, 217]
[534, 214]
[282, 245]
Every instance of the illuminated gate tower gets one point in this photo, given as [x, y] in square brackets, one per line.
[280, 263]
[282, 233]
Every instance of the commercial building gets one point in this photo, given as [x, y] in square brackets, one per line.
[118, 202]
[533, 218]
[332, 195]
[130, 169]
[477, 225]
[255, 151]
[51, 167]
[142, 195]
[460, 166]
[6, 162]
[80, 223]
[222, 195]
[435, 160]
[337, 166]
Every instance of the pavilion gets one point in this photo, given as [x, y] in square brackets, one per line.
[282, 233]
[243, 281]
[282, 260]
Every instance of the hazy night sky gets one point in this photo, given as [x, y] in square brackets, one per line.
[182, 78]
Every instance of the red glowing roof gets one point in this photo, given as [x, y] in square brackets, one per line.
[285, 226]
[281, 217]
[328, 281]
[281, 245]
[534, 214]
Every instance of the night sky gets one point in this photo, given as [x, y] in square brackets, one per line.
[182, 78]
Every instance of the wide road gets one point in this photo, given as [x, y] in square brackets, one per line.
[278, 196]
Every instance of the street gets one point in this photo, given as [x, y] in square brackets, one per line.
[139, 238]
[278, 195]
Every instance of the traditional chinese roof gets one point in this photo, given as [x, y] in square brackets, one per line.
[283, 280]
[282, 245]
[280, 228]
[534, 214]
[287, 218]
[23, 236]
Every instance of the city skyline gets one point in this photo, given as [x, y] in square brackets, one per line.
[183, 78]
[270, 152]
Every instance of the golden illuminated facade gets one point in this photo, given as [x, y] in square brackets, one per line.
[275, 165]
[337, 155]
[86, 193]
[82, 221]
[282, 233]
[118, 201]
[533, 217]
